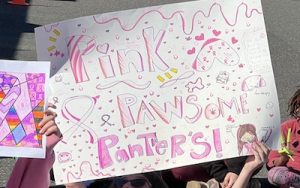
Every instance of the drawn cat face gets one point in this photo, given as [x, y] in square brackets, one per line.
[215, 49]
[64, 157]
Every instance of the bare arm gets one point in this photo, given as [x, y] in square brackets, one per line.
[253, 162]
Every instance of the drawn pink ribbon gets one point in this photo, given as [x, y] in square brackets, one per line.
[78, 121]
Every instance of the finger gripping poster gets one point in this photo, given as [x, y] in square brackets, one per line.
[22, 100]
[159, 87]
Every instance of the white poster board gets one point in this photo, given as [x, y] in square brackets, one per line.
[160, 87]
[23, 92]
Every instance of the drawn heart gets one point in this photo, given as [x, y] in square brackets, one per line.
[103, 48]
[234, 40]
[258, 109]
[216, 33]
[191, 51]
[58, 78]
[230, 119]
[200, 37]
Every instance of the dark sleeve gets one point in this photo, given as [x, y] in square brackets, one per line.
[236, 164]
[216, 169]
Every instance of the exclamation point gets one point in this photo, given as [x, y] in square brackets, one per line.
[217, 142]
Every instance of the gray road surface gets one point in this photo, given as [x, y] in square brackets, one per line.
[17, 41]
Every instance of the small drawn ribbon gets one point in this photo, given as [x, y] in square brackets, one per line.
[105, 118]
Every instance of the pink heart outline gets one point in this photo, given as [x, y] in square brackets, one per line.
[103, 48]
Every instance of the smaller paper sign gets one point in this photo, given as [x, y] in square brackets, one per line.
[22, 101]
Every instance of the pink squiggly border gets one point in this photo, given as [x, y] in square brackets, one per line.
[69, 173]
[248, 14]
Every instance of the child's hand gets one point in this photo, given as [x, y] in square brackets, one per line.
[261, 152]
[229, 179]
[282, 160]
[48, 123]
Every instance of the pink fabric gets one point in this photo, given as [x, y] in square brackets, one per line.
[281, 175]
[34, 173]
[294, 146]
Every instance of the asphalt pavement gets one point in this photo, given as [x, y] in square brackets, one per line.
[17, 23]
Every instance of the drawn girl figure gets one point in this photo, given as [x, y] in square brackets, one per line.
[246, 135]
